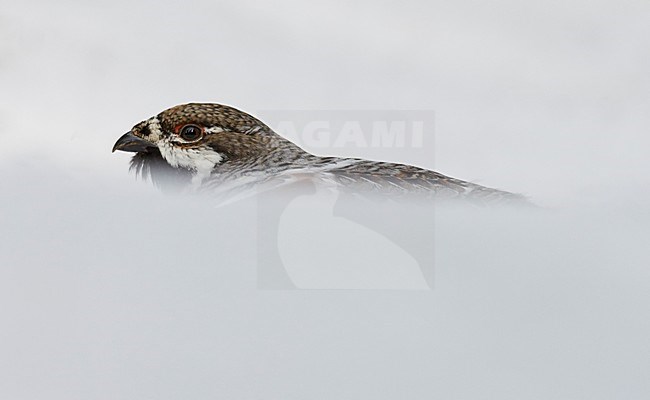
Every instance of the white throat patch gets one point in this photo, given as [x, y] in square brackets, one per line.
[201, 160]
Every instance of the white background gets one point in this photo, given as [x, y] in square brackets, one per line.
[108, 291]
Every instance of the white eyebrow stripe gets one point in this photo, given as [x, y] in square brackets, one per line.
[214, 129]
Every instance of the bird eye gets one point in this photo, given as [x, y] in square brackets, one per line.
[191, 132]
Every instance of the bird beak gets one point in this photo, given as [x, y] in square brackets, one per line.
[130, 142]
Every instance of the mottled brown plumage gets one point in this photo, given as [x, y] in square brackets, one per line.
[220, 149]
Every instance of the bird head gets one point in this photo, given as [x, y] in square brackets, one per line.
[198, 138]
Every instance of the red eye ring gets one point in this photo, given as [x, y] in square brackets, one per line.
[190, 132]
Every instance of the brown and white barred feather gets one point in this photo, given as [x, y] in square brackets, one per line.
[236, 155]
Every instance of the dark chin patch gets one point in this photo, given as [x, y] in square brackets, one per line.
[151, 165]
